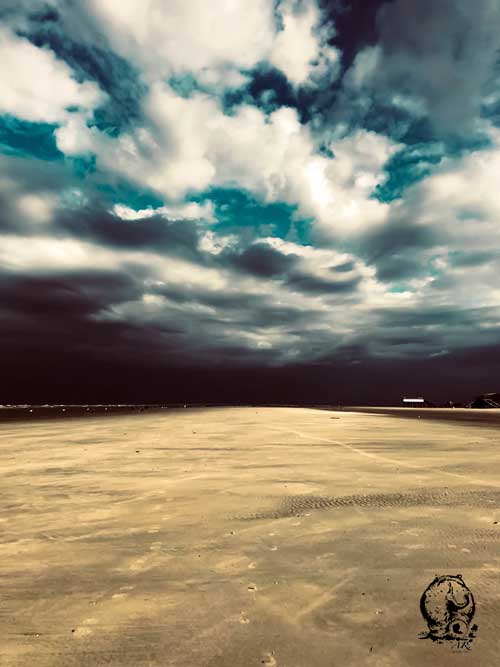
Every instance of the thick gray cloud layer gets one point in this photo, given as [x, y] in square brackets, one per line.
[431, 68]
[439, 55]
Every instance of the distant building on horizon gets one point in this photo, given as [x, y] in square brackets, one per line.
[418, 402]
[486, 401]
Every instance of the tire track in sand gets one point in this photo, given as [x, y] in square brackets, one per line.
[386, 459]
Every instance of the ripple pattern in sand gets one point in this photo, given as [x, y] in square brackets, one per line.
[289, 506]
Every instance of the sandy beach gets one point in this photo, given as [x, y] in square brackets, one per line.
[244, 536]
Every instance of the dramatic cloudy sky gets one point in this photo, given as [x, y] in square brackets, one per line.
[249, 200]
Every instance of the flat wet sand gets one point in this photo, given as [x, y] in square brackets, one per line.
[466, 416]
[243, 536]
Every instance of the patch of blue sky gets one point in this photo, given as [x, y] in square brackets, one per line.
[26, 139]
[237, 209]
[405, 127]
[380, 117]
[83, 166]
[265, 87]
[399, 288]
[184, 85]
[416, 161]
[129, 195]
[406, 167]
[435, 269]
[268, 89]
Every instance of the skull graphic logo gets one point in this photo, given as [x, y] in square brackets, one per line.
[448, 607]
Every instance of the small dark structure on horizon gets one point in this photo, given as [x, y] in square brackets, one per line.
[486, 401]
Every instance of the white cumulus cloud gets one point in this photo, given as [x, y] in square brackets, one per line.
[184, 211]
[179, 36]
[191, 144]
[300, 50]
[36, 86]
[217, 41]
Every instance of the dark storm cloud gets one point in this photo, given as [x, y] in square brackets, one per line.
[454, 42]
[396, 250]
[431, 332]
[35, 175]
[53, 320]
[24, 176]
[441, 54]
[345, 267]
[260, 259]
[424, 317]
[92, 221]
[400, 266]
[64, 322]
[263, 261]
[415, 71]
[397, 341]
[459, 375]
[86, 313]
[16, 11]
[303, 282]
[262, 315]
[95, 223]
[247, 311]
[70, 352]
[72, 295]
[355, 23]
[252, 311]
[475, 258]
[181, 238]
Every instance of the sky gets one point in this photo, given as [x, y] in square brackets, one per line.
[233, 201]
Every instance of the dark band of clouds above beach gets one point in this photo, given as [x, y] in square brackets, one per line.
[290, 200]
